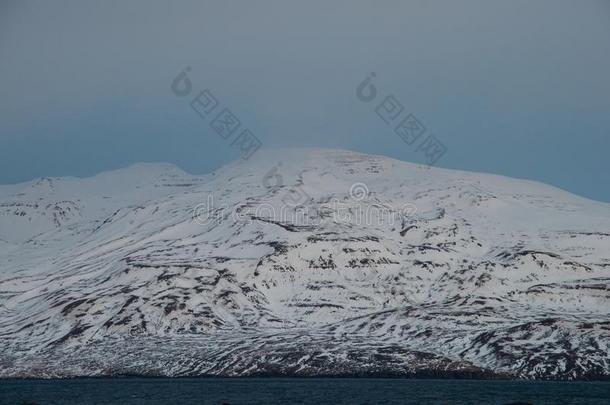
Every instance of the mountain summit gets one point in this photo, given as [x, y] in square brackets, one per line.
[303, 262]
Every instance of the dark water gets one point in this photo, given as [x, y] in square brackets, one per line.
[297, 391]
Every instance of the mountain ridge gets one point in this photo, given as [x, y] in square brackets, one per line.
[308, 262]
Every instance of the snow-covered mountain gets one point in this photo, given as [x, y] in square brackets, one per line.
[303, 262]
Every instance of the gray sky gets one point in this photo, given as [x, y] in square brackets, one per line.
[520, 88]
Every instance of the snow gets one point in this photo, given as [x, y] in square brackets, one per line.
[486, 273]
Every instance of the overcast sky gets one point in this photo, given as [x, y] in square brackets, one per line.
[520, 88]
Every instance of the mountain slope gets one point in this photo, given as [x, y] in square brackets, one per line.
[303, 262]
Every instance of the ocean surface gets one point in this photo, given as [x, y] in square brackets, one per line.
[297, 391]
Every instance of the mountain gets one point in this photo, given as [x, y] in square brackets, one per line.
[303, 262]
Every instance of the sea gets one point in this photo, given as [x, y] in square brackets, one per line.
[152, 391]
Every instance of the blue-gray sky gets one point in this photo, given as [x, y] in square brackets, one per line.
[520, 88]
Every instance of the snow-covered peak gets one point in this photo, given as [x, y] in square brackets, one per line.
[34, 207]
[351, 255]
